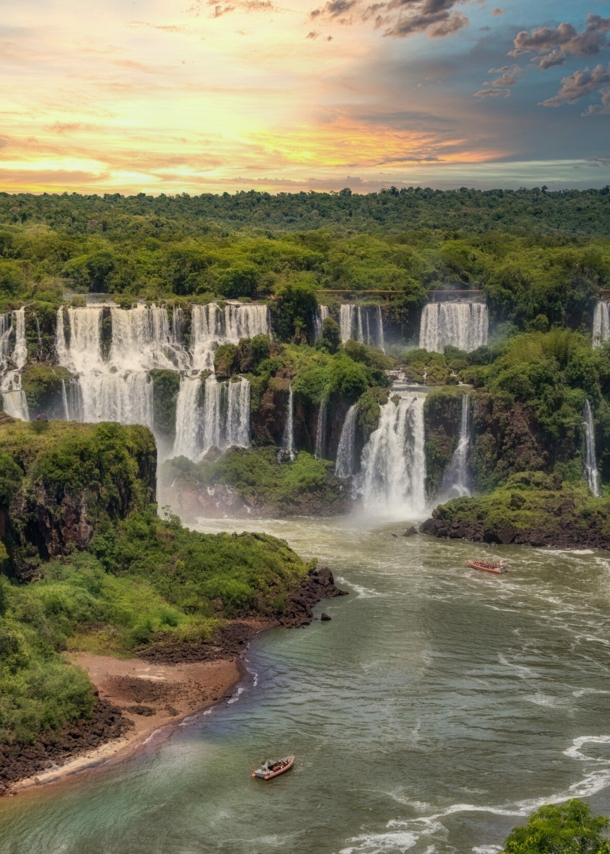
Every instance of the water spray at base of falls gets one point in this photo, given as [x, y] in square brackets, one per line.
[346, 452]
[464, 325]
[591, 472]
[394, 462]
[456, 481]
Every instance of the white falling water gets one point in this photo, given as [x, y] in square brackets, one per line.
[601, 323]
[143, 340]
[287, 449]
[591, 472]
[211, 327]
[363, 324]
[321, 430]
[117, 389]
[222, 421]
[380, 332]
[464, 325]
[321, 315]
[394, 462]
[346, 452]
[13, 397]
[456, 479]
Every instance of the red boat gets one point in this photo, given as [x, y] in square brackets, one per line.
[498, 567]
[273, 768]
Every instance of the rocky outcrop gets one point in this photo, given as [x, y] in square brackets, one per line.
[232, 640]
[532, 509]
[18, 761]
[74, 477]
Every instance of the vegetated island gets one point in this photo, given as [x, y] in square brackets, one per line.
[114, 621]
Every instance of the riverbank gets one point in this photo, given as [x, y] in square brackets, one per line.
[147, 696]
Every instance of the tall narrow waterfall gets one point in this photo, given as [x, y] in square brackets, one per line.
[591, 472]
[321, 315]
[221, 421]
[287, 449]
[13, 397]
[321, 430]
[393, 460]
[456, 480]
[601, 323]
[363, 324]
[346, 452]
[464, 325]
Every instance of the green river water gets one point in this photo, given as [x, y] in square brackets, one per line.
[436, 710]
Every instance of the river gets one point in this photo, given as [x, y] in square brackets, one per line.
[437, 709]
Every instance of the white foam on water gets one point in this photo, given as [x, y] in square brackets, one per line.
[236, 696]
[363, 592]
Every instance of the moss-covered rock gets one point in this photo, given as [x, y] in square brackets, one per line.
[166, 385]
[74, 476]
[225, 361]
[531, 508]
[442, 417]
[43, 386]
[369, 411]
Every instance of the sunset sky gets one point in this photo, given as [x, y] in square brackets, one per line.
[197, 95]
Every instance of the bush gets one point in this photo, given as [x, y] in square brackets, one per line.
[566, 829]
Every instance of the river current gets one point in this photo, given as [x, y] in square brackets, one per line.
[434, 712]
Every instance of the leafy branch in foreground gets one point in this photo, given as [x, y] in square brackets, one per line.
[565, 829]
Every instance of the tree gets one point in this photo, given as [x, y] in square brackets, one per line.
[566, 829]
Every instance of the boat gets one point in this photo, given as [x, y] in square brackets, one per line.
[498, 567]
[273, 768]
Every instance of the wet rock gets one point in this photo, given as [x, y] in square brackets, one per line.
[410, 531]
[325, 618]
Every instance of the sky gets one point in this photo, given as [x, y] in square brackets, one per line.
[172, 96]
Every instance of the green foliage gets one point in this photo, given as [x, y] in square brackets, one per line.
[42, 385]
[331, 336]
[10, 478]
[259, 479]
[565, 829]
[225, 360]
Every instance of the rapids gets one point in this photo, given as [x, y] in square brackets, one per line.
[437, 709]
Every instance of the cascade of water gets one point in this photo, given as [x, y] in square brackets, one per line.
[287, 449]
[84, 352]
[6, 328]
[178, 326]
[126, 398]
[211, 327]
[601, 323]
[321, 315]
[456, 479]
[142, 340]
[64, 400]
[346, 322]
[14, 400]
[464, 325]
[380, 333]
[321, 430]
[591, 472]
[359, 329]
[20, 353]
[188, 427]
[346, 452]
[393, 460]
[237, 432]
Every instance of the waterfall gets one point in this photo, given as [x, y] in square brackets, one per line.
[321, 430]
[346, 322]
[13, 397]
[287, 449]
[380, 333]
[591, 472]
[456, 479]
[211, 326]
[321, 315]
[464, 325]
[356, 323]
[223, 421]
[393, 460]
[346, 452]
[601, 323]
[142, 340]
[64, 400]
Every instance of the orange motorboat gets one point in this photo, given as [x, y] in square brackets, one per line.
[498, 567]
[273, 768]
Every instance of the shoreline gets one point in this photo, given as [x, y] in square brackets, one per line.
[157, 691]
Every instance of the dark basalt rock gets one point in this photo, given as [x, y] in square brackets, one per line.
[18, 761]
